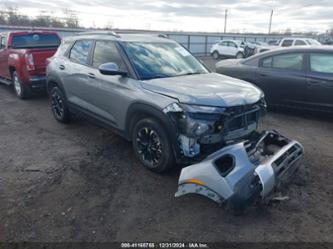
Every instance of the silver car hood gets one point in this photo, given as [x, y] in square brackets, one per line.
[206, 89]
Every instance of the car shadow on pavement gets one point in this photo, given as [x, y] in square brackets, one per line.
[311, 115]
[36, 95]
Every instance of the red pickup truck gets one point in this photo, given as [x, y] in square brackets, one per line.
[23, 56]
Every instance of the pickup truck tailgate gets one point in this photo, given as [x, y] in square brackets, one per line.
[40, 56]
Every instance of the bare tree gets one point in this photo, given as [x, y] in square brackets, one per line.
[288, 31]
[71, 18]
[109, 25]
[11, 16]
[3, 18]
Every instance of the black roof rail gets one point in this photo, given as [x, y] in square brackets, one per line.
[163, 36]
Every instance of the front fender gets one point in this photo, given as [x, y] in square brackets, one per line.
[140, 108]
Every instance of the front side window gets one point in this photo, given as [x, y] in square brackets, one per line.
[80, 51]
[292, 61]
[321, 63]
[35, 40]
[162, 59]
[106, 51]
[287, 43]
[267, 62]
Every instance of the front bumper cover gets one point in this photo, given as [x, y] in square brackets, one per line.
[240, 174]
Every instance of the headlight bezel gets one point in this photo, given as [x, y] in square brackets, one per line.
[195, 120]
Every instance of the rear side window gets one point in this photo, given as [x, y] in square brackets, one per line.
[292, 61]
[321, 63]
[35, 40]
[300, 43]
[106, 51]
[80, 51]
[62, 48]
[313, 42]
[287, 43]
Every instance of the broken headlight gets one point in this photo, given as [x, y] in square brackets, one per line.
[195, 120]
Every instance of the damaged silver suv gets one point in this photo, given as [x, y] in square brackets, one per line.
[153, 92]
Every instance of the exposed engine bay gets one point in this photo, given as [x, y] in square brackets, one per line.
[205, 128]
[238, 175]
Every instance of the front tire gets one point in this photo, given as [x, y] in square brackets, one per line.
[21, 91]
[152, 145]
[216, 55]
[59, 105]
[239, 55]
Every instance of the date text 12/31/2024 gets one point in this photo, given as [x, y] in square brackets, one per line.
[164, 245]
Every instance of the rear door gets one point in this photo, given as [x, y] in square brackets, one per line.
[75, 74]
[223, 48]
[232, 48]
[282, 78]
[107, 93]
[319, 91]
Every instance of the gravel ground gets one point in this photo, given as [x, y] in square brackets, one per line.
[80, 182]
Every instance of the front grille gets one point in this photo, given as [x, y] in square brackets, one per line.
[236, 110]
[287, 160]
[242, 120]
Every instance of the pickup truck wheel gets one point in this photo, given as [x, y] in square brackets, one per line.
[152, 145]
[216, 55]
[23, 92]
[59, 105]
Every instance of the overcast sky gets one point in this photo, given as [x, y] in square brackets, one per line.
[190, 15]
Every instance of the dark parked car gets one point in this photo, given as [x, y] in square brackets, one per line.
[295, 77]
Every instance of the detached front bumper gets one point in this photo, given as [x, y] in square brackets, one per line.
[240, 174]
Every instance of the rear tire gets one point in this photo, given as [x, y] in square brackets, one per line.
[152, 145]
[216, 55]
[59, 105]
[21, 91]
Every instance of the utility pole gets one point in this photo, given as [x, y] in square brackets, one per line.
[225, 20]
[270, 23]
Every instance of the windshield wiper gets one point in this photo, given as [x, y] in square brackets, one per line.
[158, 76]
[189, 73]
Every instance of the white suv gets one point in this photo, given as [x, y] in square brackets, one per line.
[228, 48]
[289, 42]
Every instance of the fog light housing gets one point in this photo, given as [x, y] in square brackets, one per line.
[201, 129]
